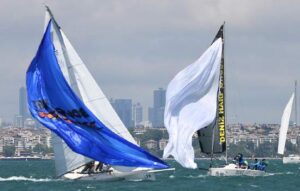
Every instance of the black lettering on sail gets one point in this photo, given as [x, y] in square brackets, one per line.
[83, 113]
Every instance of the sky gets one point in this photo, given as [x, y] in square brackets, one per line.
[133, 47]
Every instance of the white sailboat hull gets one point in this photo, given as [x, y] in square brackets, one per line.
[292, 159]
[115, 175]
[234, 170]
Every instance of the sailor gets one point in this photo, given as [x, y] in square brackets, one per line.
[240, 159]
[254, 165]
[245, 164]
[262, 165]
[88, 167]
[108, 169]
[236, 159]
[99, 167]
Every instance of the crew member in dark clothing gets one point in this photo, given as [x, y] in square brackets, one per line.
[263, 164]
[254, 165]
[99, 167]
[88, 167]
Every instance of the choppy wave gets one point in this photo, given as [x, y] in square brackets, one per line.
[280, 173]
[289, 172]
[196, 176]
[254, 185]
[23, 178]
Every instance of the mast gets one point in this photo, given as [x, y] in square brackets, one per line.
[295, 103]
[225, 105]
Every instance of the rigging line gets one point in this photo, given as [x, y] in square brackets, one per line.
[295, 103]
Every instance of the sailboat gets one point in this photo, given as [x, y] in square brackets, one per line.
[195, 102]
[285, 119]
[65, 98]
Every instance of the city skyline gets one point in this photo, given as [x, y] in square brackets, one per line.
[130, 112]
[133, 48]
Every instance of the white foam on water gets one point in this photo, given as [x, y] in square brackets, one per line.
[202, 175]
[275, 173]
[23, 178]
[199, 176]
[289, 172]
[171, 176]
[254, 186]
[135, 180]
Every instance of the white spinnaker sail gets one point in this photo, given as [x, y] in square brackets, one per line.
[92, 95]
[65, 159]
[285, 119]
[191, 103]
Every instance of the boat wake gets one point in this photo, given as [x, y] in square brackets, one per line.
[23, 178]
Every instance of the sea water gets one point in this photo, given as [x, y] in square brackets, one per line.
[39, 175]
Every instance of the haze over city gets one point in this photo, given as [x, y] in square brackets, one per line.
[134, 47]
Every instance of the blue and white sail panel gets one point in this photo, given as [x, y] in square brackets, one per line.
[191, 103]
[56, 106]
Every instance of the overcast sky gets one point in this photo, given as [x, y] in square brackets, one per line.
[133, 47]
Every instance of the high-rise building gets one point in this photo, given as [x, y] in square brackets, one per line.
[137, 114]
[123, 107]
[157, 111]
[23, 109]
[150, 114]
[159, 98]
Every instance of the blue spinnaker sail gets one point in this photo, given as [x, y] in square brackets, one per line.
[54, 104]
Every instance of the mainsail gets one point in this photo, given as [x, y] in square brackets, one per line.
[212, 138]
[285, 119]
[191, 103]
[55, 104]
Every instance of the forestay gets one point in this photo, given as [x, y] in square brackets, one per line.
[191, 103]
[285, 119]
